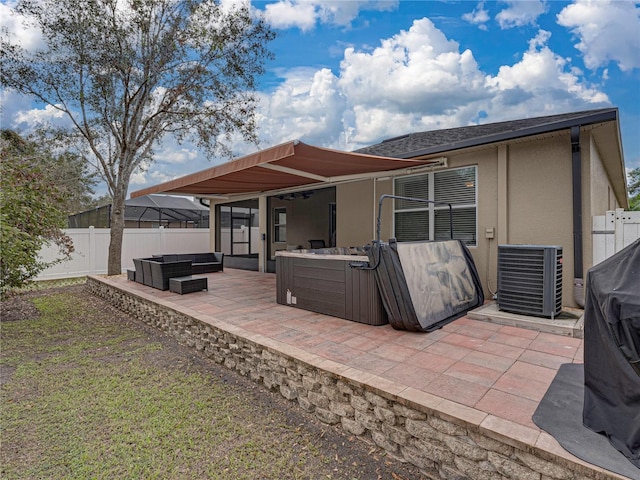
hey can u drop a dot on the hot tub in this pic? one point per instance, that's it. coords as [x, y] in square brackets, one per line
[324, 281]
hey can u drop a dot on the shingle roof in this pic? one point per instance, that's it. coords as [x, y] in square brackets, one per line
[438, 141]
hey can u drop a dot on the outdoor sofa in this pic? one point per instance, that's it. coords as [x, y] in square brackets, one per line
[200, 262]
[157, 270]
[154, 272]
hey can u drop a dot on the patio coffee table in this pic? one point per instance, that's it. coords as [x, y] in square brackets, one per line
[187, 284]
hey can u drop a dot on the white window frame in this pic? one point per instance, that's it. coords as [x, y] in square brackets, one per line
[431, 208]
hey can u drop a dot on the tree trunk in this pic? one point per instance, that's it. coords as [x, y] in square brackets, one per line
[117, 230]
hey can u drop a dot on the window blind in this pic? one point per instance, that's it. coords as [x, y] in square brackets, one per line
[412, 226]
[456, 186]
[416, 187]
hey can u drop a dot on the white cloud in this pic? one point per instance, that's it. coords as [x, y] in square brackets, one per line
[155, 176]
[17, 112]
[342, 13]
[308, 104]
[138, 178]
[287, 14]
[520, 13]
[305, 14]
[416, 70]
[540, 40]
[173, 153]
[21, 31]
[479, 16]
[607, 30]
[541, 83]
[408, 83]
[37, 117]
[11, 104]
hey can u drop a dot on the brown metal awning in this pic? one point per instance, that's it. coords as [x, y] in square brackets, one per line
[288, 165]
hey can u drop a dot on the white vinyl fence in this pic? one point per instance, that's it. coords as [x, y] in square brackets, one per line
[613, 232]
[92, 248]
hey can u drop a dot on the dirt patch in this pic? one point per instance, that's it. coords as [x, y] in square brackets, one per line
[18, 307]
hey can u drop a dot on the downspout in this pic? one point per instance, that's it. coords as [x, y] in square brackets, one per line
[576, 161]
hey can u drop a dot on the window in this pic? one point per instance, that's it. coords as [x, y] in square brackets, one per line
[425, 221]
[280, 224]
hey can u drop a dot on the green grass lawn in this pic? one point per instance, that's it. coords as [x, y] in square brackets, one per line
[89, 394]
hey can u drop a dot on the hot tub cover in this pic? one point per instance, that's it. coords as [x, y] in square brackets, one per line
[425, 285]
[612, 351]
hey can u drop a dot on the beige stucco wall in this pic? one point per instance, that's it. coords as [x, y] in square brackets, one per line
[357, 209]
[540, 193]
[601, 195]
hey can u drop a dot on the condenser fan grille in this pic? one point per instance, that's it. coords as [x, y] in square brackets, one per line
[530, 279]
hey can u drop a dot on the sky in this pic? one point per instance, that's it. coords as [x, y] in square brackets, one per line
[348, 74]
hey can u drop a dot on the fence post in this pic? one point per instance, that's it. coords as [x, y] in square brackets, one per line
[619, 229]
[162, 239]
[92, 250]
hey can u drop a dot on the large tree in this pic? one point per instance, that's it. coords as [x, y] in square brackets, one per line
[126, 73]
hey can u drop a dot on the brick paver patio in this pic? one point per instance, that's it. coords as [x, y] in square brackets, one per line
[493, 374]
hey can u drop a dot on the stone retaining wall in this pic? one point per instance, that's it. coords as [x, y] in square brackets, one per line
[442, 447]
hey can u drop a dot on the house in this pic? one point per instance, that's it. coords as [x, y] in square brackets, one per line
[529, 181]
[148, 211]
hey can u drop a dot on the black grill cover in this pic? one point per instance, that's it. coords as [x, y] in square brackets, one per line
[425, 285]
[612, 351]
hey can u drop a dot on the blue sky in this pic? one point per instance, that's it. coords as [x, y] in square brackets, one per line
[348, 73]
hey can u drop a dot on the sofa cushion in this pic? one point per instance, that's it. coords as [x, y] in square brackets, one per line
[204, 258]
[147, 277]
[139, 275]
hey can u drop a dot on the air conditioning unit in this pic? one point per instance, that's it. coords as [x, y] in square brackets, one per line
[530, 279]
